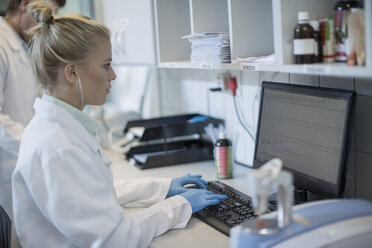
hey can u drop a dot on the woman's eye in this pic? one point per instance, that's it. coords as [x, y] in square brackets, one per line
[106, 66]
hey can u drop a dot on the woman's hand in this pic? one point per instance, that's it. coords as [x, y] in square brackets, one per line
[177, 184]
[201, 198]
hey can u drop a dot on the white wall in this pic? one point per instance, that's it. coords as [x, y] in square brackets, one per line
[185, 91]
[83, 7]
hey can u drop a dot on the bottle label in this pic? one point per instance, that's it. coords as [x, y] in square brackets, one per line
[223, 159]
[303, 46]
[341, 55]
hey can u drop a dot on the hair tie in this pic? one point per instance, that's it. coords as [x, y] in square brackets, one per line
[47, 22]
[50, 19]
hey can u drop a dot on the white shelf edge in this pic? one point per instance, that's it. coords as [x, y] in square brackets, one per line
[189, 65]
[257, 67]
[334, 69]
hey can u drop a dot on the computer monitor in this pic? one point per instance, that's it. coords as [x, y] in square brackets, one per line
[309, 128]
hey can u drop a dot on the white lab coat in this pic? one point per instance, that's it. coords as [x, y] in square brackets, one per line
[63, 192]
[17, 94]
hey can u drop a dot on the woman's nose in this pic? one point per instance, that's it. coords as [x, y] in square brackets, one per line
[113, 75]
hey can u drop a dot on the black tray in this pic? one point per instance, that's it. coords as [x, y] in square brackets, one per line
[180, 152]
[172, 126]
[167, 151]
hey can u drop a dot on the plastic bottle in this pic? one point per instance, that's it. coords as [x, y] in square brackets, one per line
[303, 42]
[223, 157]
[327, 33]
[342, 9]
[318, 53]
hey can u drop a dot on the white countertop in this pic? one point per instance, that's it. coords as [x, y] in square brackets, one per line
[196, 234]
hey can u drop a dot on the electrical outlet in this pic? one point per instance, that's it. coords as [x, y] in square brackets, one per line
[223, 81]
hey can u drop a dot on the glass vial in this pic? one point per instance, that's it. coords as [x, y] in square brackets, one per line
[303, 42]
[318, 53]
[223, 157]
[342, 9]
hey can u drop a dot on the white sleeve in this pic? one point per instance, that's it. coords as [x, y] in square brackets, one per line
[141, 227]
[10, 130]
[71, 194]
[10, 134]
[141, 192]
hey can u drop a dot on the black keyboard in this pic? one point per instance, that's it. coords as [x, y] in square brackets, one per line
[230, 212]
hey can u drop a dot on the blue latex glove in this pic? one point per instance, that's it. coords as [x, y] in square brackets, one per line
[177, 184]
[201, 198]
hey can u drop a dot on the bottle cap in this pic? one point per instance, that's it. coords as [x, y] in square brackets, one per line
[222, 135]
[303, 16]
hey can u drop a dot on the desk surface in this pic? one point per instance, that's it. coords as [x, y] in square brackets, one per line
[197, 233]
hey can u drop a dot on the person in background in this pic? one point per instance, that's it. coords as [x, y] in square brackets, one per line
[17, 90]
[62, 184]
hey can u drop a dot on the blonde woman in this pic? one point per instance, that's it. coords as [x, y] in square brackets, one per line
[62, 185]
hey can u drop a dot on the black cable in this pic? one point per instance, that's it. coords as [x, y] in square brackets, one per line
[242, 164]
[215, 89]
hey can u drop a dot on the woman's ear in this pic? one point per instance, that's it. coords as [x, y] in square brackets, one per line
[23, 6]
[71, 73]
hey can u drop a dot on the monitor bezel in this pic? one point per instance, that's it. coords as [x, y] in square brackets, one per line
[311, 183]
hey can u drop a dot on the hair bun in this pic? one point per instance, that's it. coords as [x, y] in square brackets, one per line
[40, 11]
[50, 19]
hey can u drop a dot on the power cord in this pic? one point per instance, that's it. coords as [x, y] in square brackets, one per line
[233, 86]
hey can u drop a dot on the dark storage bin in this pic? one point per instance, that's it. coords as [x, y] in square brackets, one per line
[165, 152]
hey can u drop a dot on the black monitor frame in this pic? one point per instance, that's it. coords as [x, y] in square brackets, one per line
[310, 183]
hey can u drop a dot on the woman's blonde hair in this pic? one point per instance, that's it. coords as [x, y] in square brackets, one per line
[58, 40]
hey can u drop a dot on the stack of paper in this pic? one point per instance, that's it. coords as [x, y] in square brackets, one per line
[266, 60]
[209, 47]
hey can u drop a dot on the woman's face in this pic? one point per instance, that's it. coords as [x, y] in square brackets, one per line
[97, 74]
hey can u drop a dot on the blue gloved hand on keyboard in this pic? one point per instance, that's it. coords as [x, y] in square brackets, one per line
[201, 198]
[177, 184]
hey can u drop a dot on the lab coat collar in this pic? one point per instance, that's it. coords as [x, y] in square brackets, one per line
[88, 122]
[15, 42]
[72, 124]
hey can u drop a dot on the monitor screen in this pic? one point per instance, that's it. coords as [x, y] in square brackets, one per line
[309, 129]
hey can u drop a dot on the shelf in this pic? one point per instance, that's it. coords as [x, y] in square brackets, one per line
[285, 19]
[256, 28]
[251, 28]
[217, 20]
[241, 18]
[257, 67]
[172, 21]
[234, 66]
[334, 69]
[188, 65]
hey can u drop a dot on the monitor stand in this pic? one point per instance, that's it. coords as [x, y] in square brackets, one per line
[299, 196]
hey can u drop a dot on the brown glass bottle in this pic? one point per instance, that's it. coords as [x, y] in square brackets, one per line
[303, 42]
